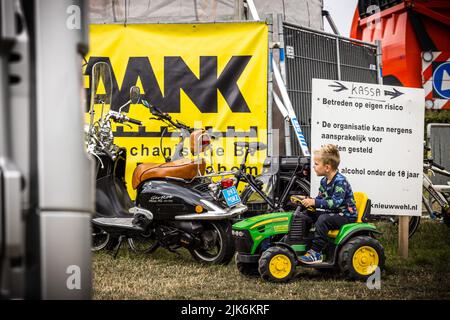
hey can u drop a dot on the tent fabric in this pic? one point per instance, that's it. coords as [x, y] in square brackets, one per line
[306, 13]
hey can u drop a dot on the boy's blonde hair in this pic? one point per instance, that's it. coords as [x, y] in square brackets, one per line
[329, 154]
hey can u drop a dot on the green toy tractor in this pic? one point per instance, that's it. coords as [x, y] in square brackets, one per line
[262, 247]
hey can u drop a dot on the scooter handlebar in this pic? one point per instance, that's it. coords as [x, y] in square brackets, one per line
[134, 121]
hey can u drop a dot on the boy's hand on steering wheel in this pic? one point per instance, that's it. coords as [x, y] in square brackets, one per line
[297, 199]
[308, 202]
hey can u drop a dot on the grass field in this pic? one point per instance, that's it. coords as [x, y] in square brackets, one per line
[164, 275]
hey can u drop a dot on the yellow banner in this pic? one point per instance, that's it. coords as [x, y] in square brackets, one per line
[211, 76]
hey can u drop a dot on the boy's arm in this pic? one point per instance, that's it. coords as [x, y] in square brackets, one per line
[321, 191]
[336, 199]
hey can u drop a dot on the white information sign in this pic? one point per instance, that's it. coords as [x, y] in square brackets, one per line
[380, 132]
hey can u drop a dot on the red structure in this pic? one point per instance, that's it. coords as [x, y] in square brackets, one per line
[415, 37]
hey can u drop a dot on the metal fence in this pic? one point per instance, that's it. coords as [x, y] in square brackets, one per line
[315, 54]
[437, 135]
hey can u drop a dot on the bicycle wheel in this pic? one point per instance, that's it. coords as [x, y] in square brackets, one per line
[257, 205]
[414, 223]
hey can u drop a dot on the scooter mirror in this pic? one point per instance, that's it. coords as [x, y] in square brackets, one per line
[135, 94]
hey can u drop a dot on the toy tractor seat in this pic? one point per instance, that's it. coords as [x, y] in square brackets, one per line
[363, 205]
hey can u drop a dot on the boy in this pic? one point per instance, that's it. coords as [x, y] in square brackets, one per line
[335, 197]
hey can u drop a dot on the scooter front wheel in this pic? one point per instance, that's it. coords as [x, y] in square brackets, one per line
[217, 245]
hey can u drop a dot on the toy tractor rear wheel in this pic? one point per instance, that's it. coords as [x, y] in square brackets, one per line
[360, 257]
[277, 264]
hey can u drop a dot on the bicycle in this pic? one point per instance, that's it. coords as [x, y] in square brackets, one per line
[432, 196]
[271, 191]
[437, 194]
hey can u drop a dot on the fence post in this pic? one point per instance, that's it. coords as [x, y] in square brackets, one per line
[403, 236]
[379, 62]
[338, 58]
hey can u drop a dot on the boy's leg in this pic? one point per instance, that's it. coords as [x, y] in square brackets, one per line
[325, 223]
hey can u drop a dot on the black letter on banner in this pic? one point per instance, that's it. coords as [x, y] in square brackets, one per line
[227, 83]
[202, 91]
[139, 67]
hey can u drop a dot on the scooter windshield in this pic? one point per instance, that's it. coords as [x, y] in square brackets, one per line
[101, 93]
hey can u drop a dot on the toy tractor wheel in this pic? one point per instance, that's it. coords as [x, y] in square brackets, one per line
[360, 257]
[277, 264]
[248, 269]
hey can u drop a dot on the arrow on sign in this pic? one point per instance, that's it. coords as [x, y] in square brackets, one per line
[394, 94]
[340, 87]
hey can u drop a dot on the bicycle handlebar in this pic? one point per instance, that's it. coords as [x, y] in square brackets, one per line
[434, 164]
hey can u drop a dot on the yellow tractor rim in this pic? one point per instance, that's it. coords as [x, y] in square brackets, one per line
[365, 260]
[280, 266]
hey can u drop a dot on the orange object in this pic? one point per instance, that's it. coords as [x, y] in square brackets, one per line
[406, 30]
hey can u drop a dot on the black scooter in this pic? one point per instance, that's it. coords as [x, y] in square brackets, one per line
[172, 208]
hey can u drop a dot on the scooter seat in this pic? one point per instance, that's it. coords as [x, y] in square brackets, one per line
[182, 168]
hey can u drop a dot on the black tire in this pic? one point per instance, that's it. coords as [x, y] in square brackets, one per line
[414, 223]
[346, 257]
[143, 244]
[217, 243]
[248, 269]
[100, 239]
[446, 213]
[446, 217]
[257, 205]
[287, 265]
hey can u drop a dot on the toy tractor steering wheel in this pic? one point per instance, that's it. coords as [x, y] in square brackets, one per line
[297, 200]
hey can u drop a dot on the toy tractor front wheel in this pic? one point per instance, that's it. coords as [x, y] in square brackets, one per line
[277, 264]
[360, 257]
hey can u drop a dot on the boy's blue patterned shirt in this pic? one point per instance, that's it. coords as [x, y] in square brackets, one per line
[336, 196]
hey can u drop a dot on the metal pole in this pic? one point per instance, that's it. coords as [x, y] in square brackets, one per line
[269, 95]
[379, 62]
[284, 94]
[287, 126]
[238, 10]
[338, 58]
[253, 11]
[327, 15]
[281, 47]
[287, 131]
[290, 109]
